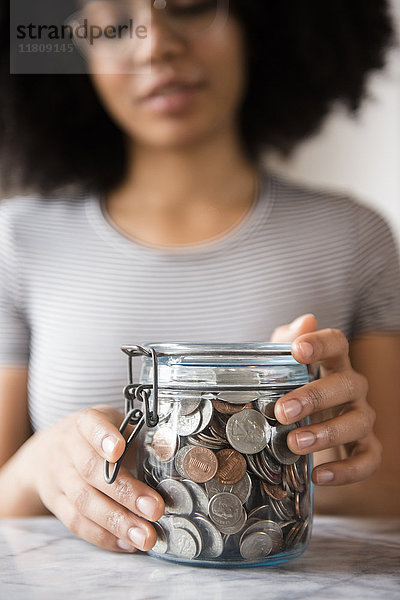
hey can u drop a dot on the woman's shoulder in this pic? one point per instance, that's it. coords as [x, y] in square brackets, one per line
[329, 204]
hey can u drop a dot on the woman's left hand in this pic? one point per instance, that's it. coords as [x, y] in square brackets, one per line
[339, 386]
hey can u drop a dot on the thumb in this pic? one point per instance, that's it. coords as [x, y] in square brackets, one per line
[290, 331]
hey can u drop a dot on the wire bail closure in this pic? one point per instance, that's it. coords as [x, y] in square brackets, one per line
[135, 416]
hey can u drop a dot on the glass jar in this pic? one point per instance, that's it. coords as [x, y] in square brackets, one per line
[209, 443]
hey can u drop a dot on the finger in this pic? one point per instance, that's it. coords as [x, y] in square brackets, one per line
[328, 346]
[333, 390]
[83, 528]
[107, 513]
[135, 495]
[290, 331]
[352, 426]
[365, 462]
[96, 427]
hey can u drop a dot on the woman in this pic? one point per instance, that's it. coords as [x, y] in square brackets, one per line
[179, 233]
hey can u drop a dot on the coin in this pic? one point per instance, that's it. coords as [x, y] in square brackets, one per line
[188, 424]
[176, 522]
[179, 456]
[266, 526]
[256, 545]
[188, 405]
[164, 443]
[248, 431]
[199, 497]
[279, 446]
[200, 464]
[241, 489]
[206, 411]
[161, 544]
[226, 408]
[182, 544]
[274, 491]
[225, 509]
[176, 497]
[231, 466]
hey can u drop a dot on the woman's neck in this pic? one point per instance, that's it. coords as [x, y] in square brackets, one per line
[184, 195]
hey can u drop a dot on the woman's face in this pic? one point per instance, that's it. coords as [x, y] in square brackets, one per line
[214, 59]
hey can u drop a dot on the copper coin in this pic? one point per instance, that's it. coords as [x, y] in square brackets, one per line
[226, 408]
[164, 443]
[231, 466]
[200, 464]
[274, 491]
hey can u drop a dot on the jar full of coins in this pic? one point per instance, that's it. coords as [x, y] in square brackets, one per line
[209, 443]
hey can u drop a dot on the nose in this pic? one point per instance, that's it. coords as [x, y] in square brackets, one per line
[164, 41]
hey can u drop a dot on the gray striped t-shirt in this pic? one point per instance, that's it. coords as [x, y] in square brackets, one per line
[74, 288]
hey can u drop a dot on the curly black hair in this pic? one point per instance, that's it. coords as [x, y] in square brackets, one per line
[305, 56]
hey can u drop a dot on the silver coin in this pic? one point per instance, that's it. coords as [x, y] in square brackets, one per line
[248, 431]
[213, 544]
[238, 397]
[161, 545]
[188, 405]
[266, 526]
[182, 544]
[225, 509]
[241, 489]
[177, 498]
[179, 457]
[232, 529]
[279, 446]
[183, 523]
[206, 410]
[256, 545]
[199, 497]
[188, 424]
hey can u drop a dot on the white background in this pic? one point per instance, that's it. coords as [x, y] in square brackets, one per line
[359, 155]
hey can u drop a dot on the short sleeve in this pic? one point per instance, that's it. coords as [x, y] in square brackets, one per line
[375, 273]
[14, 330]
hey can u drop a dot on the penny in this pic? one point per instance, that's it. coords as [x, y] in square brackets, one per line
[176, 497]
[226, 408]
[248, 431]
[274, 491]
[231, 466]
[200, 464]
[256, 545]
[164, 443]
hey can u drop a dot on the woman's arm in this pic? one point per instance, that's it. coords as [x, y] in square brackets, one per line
[377, 356]
[17, 496]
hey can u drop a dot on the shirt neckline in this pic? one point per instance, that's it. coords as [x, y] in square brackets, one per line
[110, 231]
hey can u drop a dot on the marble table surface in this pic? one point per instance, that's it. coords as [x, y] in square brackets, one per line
[348, 558]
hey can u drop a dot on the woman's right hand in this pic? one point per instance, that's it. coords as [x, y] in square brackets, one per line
[69, 479]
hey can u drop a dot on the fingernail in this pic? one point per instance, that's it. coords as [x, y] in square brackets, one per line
[305, 439]
[138, 536]
[108, 444]
[324, 476]
[125, 546]
[291, 408]
[147, 506]
[306, 349]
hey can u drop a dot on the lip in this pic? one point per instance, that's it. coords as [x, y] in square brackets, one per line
[172, 103]
[157, 88]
